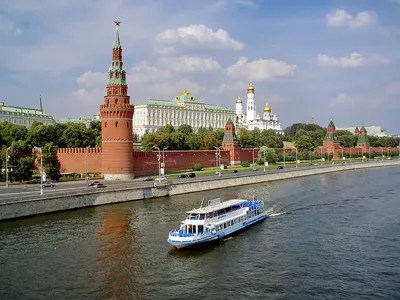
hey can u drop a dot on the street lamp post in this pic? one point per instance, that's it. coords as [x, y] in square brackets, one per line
[362, 154]
[350, 155]
[342, 154]
[41, 169]
[163, 159]
[7, 165]
[296, 158]
[284, 157]
[86, 166]
[320, 153]
[217, 159]
[159, 162]
[266, 151]
[253, 157]
[311, 150]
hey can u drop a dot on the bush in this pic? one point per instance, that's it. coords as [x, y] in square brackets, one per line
[245, 164]
[197, 167]
[225, 167]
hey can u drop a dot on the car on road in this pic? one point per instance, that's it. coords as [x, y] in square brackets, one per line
[191, 175]
[99, 185]
[47, 184]
[159, 179]
[92, 183]
[148, 179]
[219, 172]
[255, 169]
[182, 176]
[235, 171]
[280, 167]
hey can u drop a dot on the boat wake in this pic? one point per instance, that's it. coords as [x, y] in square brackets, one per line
[277, 214]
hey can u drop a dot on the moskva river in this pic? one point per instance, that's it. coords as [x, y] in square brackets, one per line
[333, 236]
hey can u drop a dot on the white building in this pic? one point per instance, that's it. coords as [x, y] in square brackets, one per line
[183, 109]
[24, 116]
[371, 130]
[251, 120]
[82, 120]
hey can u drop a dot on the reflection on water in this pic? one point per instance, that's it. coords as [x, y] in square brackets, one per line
[334, 235]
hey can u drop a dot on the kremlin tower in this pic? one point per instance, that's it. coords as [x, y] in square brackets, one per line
[251, 104]
[116, 124]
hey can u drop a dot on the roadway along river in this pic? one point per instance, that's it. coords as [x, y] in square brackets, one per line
[333, 236]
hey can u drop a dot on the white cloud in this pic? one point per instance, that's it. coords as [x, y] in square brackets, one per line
[195, 36]
[187, 64]
[260, 70]
[341, 18]
[355, 60]
[9, 27]
[91, 79]
[145, 72]
[341, 100]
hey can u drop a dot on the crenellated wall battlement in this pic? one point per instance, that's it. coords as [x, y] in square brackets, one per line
[78, 150]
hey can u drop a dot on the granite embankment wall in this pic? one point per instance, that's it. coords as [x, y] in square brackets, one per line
[69, 201]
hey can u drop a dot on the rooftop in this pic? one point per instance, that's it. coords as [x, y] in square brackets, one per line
[222, 205]
[24, 110]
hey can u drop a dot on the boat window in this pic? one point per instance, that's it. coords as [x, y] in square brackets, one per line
[202, 216]
[200, 229]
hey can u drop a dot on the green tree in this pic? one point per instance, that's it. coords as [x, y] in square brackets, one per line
[193, 141]
[24, 169]
[51, 164]
[185, 129]
[304, 142]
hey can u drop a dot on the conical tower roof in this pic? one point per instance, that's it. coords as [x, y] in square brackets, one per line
[117, 42]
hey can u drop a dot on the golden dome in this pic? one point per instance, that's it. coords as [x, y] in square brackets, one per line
[267, 108]
[250, 89]
[239, 100]
[185, 93]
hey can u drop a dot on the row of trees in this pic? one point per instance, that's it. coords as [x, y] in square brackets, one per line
[306, 136]
[21, 141]
[184, 138]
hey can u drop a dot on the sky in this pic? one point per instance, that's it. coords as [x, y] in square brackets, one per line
[331, 59]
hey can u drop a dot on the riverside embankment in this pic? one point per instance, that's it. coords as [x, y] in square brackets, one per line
[79, 199]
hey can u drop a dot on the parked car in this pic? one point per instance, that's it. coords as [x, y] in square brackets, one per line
[219, 172]
[235, 171]
[280, 167]
[182, 176]
[99, 185]
[255, 169]
[159, 179]
[93, 183]
[191, 175]
[47, 184]
[148, 179]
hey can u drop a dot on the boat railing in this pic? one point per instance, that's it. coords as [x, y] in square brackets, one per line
[181, 233]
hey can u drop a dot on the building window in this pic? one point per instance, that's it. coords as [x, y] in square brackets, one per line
[116, 101]
[127, 124]
[116, 123]
[105, 124]
[108, 101]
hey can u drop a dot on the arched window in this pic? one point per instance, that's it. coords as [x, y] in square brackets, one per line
[116, 101]
[105, 124]
[127, 124]
[116, 123]
[108, 101]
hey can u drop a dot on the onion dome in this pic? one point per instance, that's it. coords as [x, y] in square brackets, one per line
[239, 101]
[250, 89]
[267, 108]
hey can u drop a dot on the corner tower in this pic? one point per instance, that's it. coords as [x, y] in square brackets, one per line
[116, 120]
[230, 143]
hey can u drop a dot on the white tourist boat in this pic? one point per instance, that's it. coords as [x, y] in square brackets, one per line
[216, 221]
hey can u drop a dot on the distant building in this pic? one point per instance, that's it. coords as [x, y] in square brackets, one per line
[372, 130]
[25, 116]
[183, 109]
[82, 120]
[251, 120]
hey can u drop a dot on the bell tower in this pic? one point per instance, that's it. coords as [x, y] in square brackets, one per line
[116, 120]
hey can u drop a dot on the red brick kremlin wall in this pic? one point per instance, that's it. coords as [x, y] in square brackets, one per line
[72, 160]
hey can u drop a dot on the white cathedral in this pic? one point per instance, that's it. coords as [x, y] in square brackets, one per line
[250, 120]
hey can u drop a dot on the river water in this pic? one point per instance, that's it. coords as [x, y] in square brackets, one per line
[331, 236]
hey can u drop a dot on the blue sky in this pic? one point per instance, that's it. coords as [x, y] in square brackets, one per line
[332, 59]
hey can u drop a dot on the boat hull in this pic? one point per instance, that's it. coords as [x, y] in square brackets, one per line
[215, 237]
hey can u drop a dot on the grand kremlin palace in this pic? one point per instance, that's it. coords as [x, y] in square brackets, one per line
[24, 116]
[183, 109]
